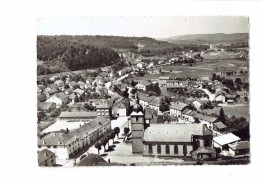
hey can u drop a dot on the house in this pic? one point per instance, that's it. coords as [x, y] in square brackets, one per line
[81, 85]
[68, 91]
[46, 106]
[223, 140]
[53, 91]
[105, 123]
[200, 103]
[230, 98]
[175, 140]
[142, 85]
[68, 144]
[162, 83]
[239, 148]
[176, 108]
[59, 99]
[121, 109]
[46, 158]
[141, 65]
[72, 84]
[78, 91]
[60, 83]
[220, 98]
[188, 115]
[204, 79]
[204, 119]
[219, 126]
[81, 115]
[156, 103]
[104, 110]
[144, 100]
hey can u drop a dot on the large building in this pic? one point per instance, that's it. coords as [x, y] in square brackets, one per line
[173, 140]
[68, 143]
[178, 140]
[104, 110]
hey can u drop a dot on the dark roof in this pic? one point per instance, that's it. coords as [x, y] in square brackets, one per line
[205, 117]
[92, 160]
[239, 145]
[189, 112]
[43, 106]
[44, 155]
[220, 125]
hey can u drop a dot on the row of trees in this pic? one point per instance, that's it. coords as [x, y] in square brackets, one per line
[105, 140]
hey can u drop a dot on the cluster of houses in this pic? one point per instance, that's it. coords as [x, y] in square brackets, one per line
[195, 138]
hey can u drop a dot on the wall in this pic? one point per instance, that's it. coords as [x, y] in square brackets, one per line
[163, 150]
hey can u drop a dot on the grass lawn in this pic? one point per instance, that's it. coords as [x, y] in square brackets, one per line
[237, 111]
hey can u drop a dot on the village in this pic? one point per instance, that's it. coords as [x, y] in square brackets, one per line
[157, 110]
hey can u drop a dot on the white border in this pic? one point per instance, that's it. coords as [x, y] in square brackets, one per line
[18, 40]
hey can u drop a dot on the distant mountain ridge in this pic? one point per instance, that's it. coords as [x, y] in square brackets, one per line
[208, 38]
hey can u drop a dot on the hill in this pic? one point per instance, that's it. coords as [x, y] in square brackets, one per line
[208, 38]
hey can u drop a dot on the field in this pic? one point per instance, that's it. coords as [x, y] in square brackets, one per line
[202, 69]
[239, 110]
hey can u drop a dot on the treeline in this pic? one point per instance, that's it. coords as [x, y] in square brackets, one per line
[164, 48]
[87, 57]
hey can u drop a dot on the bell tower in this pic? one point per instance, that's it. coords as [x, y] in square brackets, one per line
[137, 127]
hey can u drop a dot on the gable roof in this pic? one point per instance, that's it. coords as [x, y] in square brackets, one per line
[92, 160]
[178, 105]
[220, 125]
[61, 95]
[156, 102]
[239, 145]
[172, 132]
[57, 139]
[43, 106]
[189, 112]
[44, 155]
[205, 117]
[158, 120]
[226, 139]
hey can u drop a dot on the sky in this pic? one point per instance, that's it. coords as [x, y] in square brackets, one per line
[156, 27]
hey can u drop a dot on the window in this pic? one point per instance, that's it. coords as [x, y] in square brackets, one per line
[176, 150]
[184, 149]
[159, 149]
[150, 148]
[167, 149]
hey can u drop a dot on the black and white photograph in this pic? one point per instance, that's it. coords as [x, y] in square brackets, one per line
[143, 91]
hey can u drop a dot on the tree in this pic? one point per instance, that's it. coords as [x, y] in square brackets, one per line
[97, 145]
[238, 81]
[104, 141]
[112, 135]
[126, 130]
[117, 131]
[214, 76]
[41, 115]
[66, 86]
[221, 115]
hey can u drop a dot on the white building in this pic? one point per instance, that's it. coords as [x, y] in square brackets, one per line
[223, 140]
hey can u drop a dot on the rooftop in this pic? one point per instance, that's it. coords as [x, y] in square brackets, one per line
[220, 125]
[78, 114]
[44, 105]
[178, 105]
[43, 155]
[173, 132]
[205, 117]
[226, 139]
[239, 145]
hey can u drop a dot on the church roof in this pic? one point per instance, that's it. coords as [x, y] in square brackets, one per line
[173, 132]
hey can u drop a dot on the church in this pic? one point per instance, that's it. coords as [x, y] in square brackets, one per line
[166, 140]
